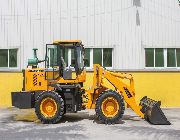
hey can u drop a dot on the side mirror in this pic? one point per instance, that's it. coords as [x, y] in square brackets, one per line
[47, 60]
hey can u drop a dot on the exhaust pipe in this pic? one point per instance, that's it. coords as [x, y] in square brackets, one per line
[152, 112]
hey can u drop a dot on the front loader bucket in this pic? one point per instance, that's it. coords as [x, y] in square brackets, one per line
[152, 112]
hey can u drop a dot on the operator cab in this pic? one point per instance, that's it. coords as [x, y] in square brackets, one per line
[56, 60]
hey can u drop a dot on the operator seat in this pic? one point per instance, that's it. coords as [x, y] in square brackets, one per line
[67, 73]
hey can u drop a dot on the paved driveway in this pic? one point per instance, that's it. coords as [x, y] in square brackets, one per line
[18, 124]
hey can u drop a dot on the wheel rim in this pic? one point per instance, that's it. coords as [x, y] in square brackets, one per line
[110, 107]
[48, 107]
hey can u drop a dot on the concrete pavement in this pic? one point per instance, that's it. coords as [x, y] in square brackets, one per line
[23, 125]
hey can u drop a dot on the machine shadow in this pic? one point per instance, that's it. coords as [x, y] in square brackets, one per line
[132, 118]
[75, 117]
[30, 116]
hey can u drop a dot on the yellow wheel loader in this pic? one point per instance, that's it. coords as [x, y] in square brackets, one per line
[53, 91]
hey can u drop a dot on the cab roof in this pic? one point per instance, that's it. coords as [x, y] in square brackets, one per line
[66, 41]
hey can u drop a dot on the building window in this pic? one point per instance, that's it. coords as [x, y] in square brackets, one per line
[8, 58]
[171, 58]
[97, 56]
[158, 57]
[178, 57]
[87, 57]
[149, 53]
[107, 57]
[101, 56]
[154, 57]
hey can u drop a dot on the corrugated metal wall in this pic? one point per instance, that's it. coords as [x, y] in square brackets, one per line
[125, 25]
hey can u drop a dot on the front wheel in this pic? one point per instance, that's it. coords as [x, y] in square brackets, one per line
[109, 107]
[49, 107]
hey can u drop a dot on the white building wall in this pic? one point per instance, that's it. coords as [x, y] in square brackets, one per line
[27, 24]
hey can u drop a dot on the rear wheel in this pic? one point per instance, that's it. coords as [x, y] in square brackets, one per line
[109, 107]
[49, 107]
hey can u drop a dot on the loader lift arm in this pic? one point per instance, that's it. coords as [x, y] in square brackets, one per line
[148, 108]
[125, 90]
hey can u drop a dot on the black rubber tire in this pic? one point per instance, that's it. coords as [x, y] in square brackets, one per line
[60, 107]
[101, 117]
